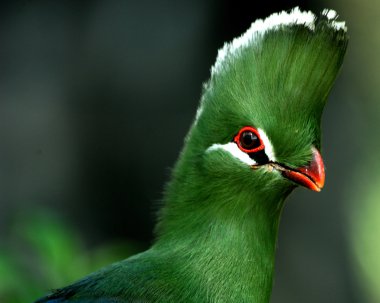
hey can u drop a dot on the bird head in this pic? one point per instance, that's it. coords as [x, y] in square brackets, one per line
[258, 124]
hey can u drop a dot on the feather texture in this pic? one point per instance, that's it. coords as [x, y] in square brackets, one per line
[216, 232]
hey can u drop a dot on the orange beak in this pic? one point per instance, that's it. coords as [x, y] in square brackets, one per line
[311, 176]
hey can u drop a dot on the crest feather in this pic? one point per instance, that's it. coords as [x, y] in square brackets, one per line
[260, 27]
[275, 77]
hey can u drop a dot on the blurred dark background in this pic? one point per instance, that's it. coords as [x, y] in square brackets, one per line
[95, 100]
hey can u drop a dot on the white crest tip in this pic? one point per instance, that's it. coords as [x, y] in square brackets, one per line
[329, 13]
[332, 15]
[261, 26]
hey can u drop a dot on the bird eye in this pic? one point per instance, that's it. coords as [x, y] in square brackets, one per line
[248, 140]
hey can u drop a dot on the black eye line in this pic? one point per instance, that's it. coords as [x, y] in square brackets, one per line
[260, 157]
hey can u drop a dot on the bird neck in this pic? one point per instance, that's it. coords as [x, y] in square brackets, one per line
[226, 238]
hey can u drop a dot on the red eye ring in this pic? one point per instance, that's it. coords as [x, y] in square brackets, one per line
[238, 139]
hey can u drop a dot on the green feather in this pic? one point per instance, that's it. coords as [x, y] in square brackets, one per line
[217, 229]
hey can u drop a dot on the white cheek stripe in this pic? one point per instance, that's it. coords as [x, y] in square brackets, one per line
[235, 151]
[268, 146]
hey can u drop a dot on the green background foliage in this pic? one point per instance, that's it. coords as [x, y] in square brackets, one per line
[43, 253]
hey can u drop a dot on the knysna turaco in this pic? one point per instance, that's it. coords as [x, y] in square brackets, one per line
[256, 136]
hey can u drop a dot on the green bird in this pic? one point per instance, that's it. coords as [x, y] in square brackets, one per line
[256, 137]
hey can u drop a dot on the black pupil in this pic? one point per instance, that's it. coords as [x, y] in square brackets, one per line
[248, 140]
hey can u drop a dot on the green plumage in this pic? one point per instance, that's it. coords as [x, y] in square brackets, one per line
[217, 229]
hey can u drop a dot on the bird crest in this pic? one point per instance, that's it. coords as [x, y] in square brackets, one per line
[276, 75]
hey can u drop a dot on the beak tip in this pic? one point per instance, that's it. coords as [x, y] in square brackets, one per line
[315, 170]
[311, 176]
